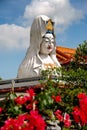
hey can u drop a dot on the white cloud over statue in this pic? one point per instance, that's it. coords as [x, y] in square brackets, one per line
[61, 11]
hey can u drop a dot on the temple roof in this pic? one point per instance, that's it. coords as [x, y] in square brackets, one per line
[64, 54]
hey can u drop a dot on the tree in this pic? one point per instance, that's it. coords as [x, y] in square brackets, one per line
[81, 54]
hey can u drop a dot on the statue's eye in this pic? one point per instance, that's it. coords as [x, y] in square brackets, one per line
[46, 40]
[52, 40]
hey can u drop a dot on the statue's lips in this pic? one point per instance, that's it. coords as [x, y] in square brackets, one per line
[49, 47]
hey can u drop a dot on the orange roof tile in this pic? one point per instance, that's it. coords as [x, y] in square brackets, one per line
[64, 54]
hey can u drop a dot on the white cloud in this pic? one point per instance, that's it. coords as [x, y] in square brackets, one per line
[13, 37]
[61, 11]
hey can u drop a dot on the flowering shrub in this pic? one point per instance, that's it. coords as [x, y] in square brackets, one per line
[28, 114]
[80, 112]
[20, 113]
[25, 122]
[54, 104]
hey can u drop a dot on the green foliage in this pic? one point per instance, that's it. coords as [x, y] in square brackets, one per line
[10, 109]
[75, 77]
[84, 128]
[45, 96]
[81, 55]
[82, 49]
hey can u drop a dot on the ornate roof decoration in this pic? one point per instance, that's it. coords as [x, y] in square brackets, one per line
[50, 26]
[64, 54]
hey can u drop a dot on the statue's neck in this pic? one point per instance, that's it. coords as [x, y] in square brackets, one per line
[46, 58]
[44, 55]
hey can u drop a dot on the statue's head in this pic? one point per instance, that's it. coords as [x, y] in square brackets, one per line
[42, 32]
[48, 44]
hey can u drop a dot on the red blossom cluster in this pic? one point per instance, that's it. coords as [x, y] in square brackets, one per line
[59, 115]
[31, 121]
[57, 98]
[80, 112]
[63, 118]
[23, 99]
[28, 99]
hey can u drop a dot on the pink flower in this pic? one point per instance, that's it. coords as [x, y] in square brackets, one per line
[67, 121]
[58, 115]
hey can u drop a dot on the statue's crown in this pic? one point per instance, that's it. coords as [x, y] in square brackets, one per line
[49, 25]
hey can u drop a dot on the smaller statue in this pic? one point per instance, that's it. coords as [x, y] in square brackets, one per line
[41, 54]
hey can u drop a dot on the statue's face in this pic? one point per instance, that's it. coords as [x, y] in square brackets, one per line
[47, 44]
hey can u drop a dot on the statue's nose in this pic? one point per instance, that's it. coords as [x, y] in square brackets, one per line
[49, 46]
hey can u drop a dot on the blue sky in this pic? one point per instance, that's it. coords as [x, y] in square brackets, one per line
[16, 17]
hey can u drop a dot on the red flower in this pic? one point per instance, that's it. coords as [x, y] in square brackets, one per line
[21, 120]
[21, 100]
[58, 114]
[29, 106]
[80, 116]
[83, 108]
[57, 98]
[30, 121]
[76, 114]
[31, 92]
[80, 113]
[82, 95]
[67, 121]
[9, 124]
[83, 118]
[36, 121]
[1, 109]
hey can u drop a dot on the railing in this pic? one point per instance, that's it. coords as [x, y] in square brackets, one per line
[18, 84]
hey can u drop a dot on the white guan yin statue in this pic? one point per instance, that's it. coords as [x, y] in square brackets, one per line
[41, 53]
